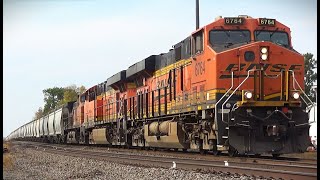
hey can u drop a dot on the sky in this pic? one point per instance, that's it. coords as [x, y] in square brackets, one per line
[50, 43]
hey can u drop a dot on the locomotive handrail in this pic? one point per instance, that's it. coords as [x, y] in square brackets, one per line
[234, 92]
[270, 76]
[308, 106]
[120, 106]
[119, 118]
[294, 87]
[295, 81]
[267, 117]
[215, 107]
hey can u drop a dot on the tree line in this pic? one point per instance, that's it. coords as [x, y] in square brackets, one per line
[310, 75]
[56, 96]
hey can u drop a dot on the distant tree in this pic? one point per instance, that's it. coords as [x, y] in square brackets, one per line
[38, 114]
[57, 96]
[52, 96]
[81, 89]
[70, 93]
[310, 74]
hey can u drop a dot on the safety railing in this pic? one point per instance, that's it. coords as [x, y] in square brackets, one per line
[222, 109]
[309, 104]
[216, 105]
[295, 83]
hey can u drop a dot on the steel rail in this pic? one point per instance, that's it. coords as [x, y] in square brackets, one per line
[191, 155]
[284, 171]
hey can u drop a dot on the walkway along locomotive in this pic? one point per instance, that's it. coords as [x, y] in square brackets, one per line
[233, 85]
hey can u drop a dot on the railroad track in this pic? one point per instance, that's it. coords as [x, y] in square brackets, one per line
[250, 166]
[190, 154]
[196, 155]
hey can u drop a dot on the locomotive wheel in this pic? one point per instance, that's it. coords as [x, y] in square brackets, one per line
[232, 151]
[203, 152]
[216, 152]
[275, 155]
[184, 150]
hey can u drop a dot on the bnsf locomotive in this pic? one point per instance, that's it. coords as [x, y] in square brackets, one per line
[234, 85]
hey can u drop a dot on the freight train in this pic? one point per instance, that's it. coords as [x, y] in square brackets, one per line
[235, 85]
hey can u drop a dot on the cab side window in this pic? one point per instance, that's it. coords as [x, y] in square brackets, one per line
[197, 42]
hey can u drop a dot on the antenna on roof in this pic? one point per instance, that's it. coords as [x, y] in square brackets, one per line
[197, 14]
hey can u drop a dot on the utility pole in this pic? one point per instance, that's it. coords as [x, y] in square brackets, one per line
[315, 91]
[197, 14]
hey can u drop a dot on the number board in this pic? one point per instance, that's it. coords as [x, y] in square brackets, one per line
[267, 22]
[233, 20]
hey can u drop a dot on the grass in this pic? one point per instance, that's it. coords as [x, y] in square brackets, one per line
[7, 161]
[7, 157]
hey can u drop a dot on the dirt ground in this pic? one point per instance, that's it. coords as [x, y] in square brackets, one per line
[306, 155]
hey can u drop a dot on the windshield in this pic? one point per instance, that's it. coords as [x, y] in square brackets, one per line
[229, 37]
[280, 38]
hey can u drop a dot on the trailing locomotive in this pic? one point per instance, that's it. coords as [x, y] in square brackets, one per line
[234, 85]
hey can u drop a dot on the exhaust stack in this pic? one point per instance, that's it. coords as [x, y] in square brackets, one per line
[197, 14]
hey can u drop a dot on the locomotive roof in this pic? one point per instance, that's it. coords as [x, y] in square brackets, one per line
[156, 62]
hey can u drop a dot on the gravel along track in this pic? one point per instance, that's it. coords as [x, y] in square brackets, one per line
[32, 163]
[295, 166]
[297, 159]
[285, 171]
[266, 168]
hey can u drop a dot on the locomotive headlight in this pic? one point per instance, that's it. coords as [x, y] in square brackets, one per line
[228, 105]
[264, 57]
[264, 53]
[295, 95]
[248, 95]
[264, 50]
